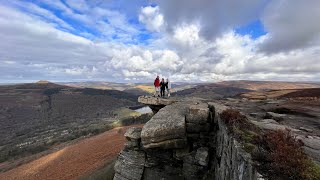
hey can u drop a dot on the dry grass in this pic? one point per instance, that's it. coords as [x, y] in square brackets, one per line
[232, 116]
[147, 88]
[284, 158]
[266, 95]
[277, 154]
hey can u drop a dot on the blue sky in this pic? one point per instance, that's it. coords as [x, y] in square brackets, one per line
[133, 41]
[255, 29]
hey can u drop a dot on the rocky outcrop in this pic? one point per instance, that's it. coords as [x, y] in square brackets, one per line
[311, 143]
[184, 140]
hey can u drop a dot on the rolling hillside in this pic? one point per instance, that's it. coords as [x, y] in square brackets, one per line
[36, 116]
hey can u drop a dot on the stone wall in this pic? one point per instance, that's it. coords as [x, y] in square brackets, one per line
[184, 140]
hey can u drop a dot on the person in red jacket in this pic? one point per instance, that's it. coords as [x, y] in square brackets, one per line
[157, 86]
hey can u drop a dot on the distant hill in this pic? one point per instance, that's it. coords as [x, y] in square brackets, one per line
[268, 85]
[98, 85]
[275, 90]
[132, 88]
[304, 93]
[249, 89]
[135, 89]
[212, 91]
[43, 82]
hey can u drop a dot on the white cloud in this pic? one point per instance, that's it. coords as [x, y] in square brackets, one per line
[152, 18]
[186, 35]
[47, 15]
[80, 5]
[109, 23]
[35, 48]
[9, 62]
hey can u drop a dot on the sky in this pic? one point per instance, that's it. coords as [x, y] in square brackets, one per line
[133, 41]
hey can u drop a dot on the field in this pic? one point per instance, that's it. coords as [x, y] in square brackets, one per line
[74, 161]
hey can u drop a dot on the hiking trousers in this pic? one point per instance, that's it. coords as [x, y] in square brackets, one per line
[162, 92]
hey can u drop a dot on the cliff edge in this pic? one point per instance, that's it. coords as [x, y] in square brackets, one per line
[183, 140]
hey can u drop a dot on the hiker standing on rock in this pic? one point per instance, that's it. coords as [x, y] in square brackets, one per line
[162, 87]
[168, 86]
[157, 86]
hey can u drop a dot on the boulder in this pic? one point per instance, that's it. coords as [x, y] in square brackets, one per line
[275, 116]
[256, 115]
[311, 146]
[269, 121]
[310, 141]
[133, 133]
[198, 113]
[306, 129]
[167, 128]
[270, 126]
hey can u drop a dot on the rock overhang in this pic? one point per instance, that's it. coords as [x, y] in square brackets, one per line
[156, 103]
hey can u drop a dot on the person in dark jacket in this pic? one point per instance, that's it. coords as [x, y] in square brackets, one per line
[162, 87]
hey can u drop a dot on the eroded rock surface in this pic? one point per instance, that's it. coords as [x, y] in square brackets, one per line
[184, 140]
[167, 128]
[129, 165]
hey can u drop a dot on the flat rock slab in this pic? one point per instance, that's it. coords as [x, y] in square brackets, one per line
[155, 101]
[167, 128]
[270, 124]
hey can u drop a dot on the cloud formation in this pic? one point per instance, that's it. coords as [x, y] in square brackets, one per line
[291, 25]
[151, 17]
[214, 16]
[194, 41]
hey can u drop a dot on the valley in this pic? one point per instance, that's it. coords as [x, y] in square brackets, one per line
[36, 116]
[45, 123]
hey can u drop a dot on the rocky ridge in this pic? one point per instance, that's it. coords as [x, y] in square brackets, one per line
[183, 140]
